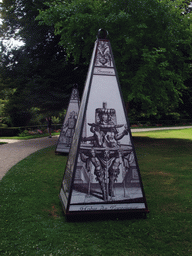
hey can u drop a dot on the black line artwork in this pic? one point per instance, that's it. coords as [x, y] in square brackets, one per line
[102, 172]
[68, 127]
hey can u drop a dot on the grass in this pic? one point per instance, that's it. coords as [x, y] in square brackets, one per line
[33, 136]
[32, 221]
[167, 134]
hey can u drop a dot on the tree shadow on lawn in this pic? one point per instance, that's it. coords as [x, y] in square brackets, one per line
[146, 140]
[171, 147]
[165, 167]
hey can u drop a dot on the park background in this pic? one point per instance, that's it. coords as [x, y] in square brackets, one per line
[151, 43]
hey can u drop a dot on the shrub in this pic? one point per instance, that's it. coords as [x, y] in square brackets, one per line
[24, 133]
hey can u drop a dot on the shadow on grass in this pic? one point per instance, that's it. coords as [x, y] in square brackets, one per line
[105, 217]
[144, 140]
[164, 147]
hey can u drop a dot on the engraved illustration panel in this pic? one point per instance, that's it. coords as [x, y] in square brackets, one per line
[105, 158]
[68, 127]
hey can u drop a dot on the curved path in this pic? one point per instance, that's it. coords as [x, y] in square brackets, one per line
[16, 150]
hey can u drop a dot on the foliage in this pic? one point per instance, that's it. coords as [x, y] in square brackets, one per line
[150, 39]
[38, 71]
[151, 42]
[32, 222]
[186, 108]
[4, 98]
[26, 133]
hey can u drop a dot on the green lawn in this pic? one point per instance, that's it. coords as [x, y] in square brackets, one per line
[167, 134]
[32, 221]
[28, 137]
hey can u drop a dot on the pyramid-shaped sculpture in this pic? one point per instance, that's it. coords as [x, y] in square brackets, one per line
[102, 173]
[68, 128]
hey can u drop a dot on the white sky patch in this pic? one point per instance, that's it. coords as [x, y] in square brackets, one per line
[11, 43]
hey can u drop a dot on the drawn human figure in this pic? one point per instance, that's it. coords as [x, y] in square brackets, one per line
[105, 115]
[93, 160]
[97, 138]
[113, 174]
[99, 172]
[106, 136]
[69, 127]
[112, 137]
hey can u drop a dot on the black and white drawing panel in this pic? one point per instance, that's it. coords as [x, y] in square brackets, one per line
[68, 127]
[106, 174]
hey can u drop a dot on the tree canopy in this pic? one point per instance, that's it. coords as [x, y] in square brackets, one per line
[151, 41]
[39, 71]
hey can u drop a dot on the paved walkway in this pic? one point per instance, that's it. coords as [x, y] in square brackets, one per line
[16, 150]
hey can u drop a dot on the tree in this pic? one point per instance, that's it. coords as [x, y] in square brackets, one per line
[151, 41]
[39, 71]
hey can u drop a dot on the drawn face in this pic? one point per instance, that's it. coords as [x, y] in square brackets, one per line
[104, 117]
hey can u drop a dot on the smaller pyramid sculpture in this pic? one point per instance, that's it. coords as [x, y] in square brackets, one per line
[68, 127]
[102, 173]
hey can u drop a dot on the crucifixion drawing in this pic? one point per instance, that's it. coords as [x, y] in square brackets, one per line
[102, 173]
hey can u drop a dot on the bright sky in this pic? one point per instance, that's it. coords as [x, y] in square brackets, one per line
[12, 42]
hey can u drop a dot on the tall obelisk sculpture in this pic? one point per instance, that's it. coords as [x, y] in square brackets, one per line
[102, 173]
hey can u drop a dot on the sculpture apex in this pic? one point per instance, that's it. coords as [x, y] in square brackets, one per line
[102, 34]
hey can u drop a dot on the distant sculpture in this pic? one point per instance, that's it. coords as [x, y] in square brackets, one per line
[69, 127]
